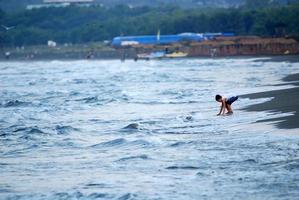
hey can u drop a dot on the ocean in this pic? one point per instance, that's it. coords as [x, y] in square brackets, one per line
[105, 129]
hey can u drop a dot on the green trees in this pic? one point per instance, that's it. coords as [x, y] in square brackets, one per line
[79, 25]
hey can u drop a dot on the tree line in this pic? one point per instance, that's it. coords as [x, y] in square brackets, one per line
[81, 24]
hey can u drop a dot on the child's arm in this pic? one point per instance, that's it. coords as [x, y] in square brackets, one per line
[222, 108]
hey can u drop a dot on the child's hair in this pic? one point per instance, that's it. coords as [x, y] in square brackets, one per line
[218, 97]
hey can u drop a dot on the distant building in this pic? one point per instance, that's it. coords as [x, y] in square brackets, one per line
[125, 41]
[61, 3]
[69, 1]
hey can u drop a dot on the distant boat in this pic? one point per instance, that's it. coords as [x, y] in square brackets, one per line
[176, 55]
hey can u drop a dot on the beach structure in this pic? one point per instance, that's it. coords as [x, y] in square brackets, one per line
[61, 3]
[205, 44]
[162, 46]
[244, 45]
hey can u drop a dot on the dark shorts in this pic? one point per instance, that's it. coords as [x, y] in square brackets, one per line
[231, 100]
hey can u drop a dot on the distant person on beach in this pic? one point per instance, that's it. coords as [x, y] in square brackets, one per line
[226, 103]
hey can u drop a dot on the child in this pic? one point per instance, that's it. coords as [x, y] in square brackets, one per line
[226, 103]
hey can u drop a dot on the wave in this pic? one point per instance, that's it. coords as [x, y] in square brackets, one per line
[97, 195]
[3, 134]
[93, 99]
[292, 164]
[15, 103]
[65, 129]
[177, 144]
[141, 157]
[165, 102]
[6, 189]
[72, 195]
[133, 126]
[247, 161]
[182, 132]
[96, 99]
[98, 185]
[74, 93]
[126, 196]
[29, 130]
[122, 142]
[19, 152]
[202, 174]
[79, 81]
[182, 167]
[140, 143]
[65, 195]
[112, 143]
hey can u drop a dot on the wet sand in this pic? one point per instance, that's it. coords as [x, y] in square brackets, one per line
[285, 101]
[280, 58]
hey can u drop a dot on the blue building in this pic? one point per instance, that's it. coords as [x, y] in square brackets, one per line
[164, 39]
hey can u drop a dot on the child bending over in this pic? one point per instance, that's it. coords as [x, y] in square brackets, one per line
[226, 103]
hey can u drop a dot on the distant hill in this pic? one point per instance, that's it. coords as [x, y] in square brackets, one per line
[194, 3]
[16, 5]
[83, 25]
[181, 3]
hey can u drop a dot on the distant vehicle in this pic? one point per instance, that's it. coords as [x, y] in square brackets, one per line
[176, 55]
[52, 43]
[7, 55]
[160, 55]
[152, 55]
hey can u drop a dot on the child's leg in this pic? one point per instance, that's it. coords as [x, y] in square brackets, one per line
[229, 108]
[229, 102]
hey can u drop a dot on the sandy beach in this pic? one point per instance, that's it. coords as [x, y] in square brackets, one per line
[285, 101]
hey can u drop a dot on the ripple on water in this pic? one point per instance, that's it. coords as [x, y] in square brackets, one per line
[121, 142]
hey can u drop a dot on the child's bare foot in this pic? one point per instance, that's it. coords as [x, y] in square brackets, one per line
[229, 113]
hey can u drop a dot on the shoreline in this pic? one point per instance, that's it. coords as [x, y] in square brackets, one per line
[263, 58]
[284, 101]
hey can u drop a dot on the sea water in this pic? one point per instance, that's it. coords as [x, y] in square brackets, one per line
[143, 130]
